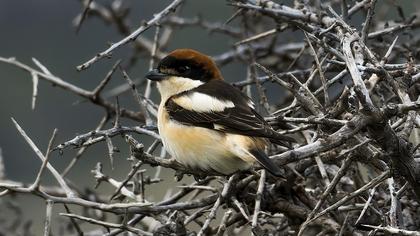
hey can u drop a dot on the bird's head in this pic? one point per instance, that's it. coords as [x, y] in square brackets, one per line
[182, 70]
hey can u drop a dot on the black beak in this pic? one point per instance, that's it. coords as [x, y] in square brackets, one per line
[155, 75]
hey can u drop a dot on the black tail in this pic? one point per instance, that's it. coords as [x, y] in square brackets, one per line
[281, 139]
[278, 138]
[267, 163]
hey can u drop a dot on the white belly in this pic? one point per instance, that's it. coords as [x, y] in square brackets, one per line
[202, 148]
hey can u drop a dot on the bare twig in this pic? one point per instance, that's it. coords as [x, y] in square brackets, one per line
[47, 226]
[97, 136]
[35, 80]
[258, 200]
[107, 78]
[392, 230]
[133, 36]
[321, 73]
[107, 224]
[371, 194]
[369, 17]
[374, 182]
[35, 185]
[130, 175]
[222, 227]
[148, 88]
[84, 15]
[142, 103]
[83, 149]
[359, 85]
[226, 188]
[337, 177]
[46, 75]
[57, 176]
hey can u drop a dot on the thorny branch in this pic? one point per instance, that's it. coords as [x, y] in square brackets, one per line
[350, 99]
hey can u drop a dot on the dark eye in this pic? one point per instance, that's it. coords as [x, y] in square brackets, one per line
[183, 69]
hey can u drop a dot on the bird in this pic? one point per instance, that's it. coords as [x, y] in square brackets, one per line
[205, 123]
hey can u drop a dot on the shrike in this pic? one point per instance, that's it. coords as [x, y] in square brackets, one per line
[205, 123]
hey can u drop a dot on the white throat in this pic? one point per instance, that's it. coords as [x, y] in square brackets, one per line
[175, 85]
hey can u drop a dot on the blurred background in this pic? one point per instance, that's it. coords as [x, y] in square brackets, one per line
[44, 30]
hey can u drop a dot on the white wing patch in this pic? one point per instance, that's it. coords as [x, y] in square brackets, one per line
[218, 127]
[251, 104]
[201, 102]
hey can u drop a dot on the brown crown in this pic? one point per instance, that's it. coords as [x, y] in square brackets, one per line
[205, 61]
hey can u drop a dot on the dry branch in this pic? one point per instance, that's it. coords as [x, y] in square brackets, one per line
[350, 97]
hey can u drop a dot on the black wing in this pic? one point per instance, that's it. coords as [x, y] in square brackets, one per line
[240, 119]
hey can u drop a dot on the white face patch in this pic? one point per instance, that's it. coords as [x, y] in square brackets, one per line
[175, 85]
[201, 102]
